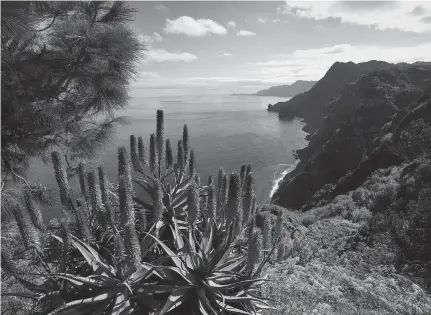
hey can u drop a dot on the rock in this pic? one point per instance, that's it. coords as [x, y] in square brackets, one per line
[351, 137]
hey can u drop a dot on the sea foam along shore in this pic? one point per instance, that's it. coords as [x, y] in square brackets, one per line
[277, 181]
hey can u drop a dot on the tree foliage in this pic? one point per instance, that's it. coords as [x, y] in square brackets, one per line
[65, 70]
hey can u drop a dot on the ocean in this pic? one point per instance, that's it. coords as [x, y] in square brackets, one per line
[225, 131]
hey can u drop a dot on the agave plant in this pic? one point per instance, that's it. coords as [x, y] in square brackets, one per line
[211, 276]
[158, 243]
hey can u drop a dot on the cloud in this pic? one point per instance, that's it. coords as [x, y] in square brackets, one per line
[276, 20]
[379, 14]
[161, 7]
[245, 33]
[194, 28]
[418, 11]
[262, 21]
[312, 64]
[161, 55]
[149, 39]
[426, 19]
[231, 24]
[225, 54]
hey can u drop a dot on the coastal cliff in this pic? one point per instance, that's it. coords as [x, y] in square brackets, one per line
[351, 127]
[291, 90]
[358, 203]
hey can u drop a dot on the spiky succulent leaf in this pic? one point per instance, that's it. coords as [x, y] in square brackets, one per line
[169, 154]
[61, 177]
[192, 163]
[160, 129]
[132, 249]
[197, 179]
[185, 141]
[82, 219]
[220, 190]
[278, 225]
[125, 188]
[243, 173]
[233, 206]
[210, 180]
[153, 154]
[211, 201]
[133, 149]
[108, 212]
[266, 232]
[158, 201]
[254, 249]
[249, 169]
[95, 198]
[28, 231]
[141, 150]
[180, 155]
[193, 202]
[247, 197]
[34, 211]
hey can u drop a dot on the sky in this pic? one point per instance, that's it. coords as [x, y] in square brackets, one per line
[205, 47]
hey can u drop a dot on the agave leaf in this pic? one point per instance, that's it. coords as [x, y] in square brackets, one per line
[233, 264]
[177, 261]
[201, 307]
[142, 272]
[177, 234]
[150, 288]
[146, 299]
[58, 238]
[179, 199]
[77, 280]
[93, 258]
[122, 304]
[229, 286]
[207, 239]
[186, 276]
[182, 205]
[231, 309]
[78, 303]
[95, 309]
[175, 299]
[204, 300]
[223, 250]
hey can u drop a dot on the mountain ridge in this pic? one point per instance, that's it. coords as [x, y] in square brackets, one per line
[286, 90]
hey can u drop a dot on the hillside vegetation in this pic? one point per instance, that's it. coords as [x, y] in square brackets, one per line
[360, 201]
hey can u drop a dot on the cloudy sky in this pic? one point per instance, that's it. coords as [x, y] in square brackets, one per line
[213, 47]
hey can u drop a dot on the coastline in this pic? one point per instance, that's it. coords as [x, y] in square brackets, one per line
[289, 169]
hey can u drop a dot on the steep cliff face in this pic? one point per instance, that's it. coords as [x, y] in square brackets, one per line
[354, 120]
[311, 105]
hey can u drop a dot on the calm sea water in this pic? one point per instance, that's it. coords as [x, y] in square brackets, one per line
[224, 131]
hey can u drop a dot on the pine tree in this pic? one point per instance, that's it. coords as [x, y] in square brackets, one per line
[57, 78]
